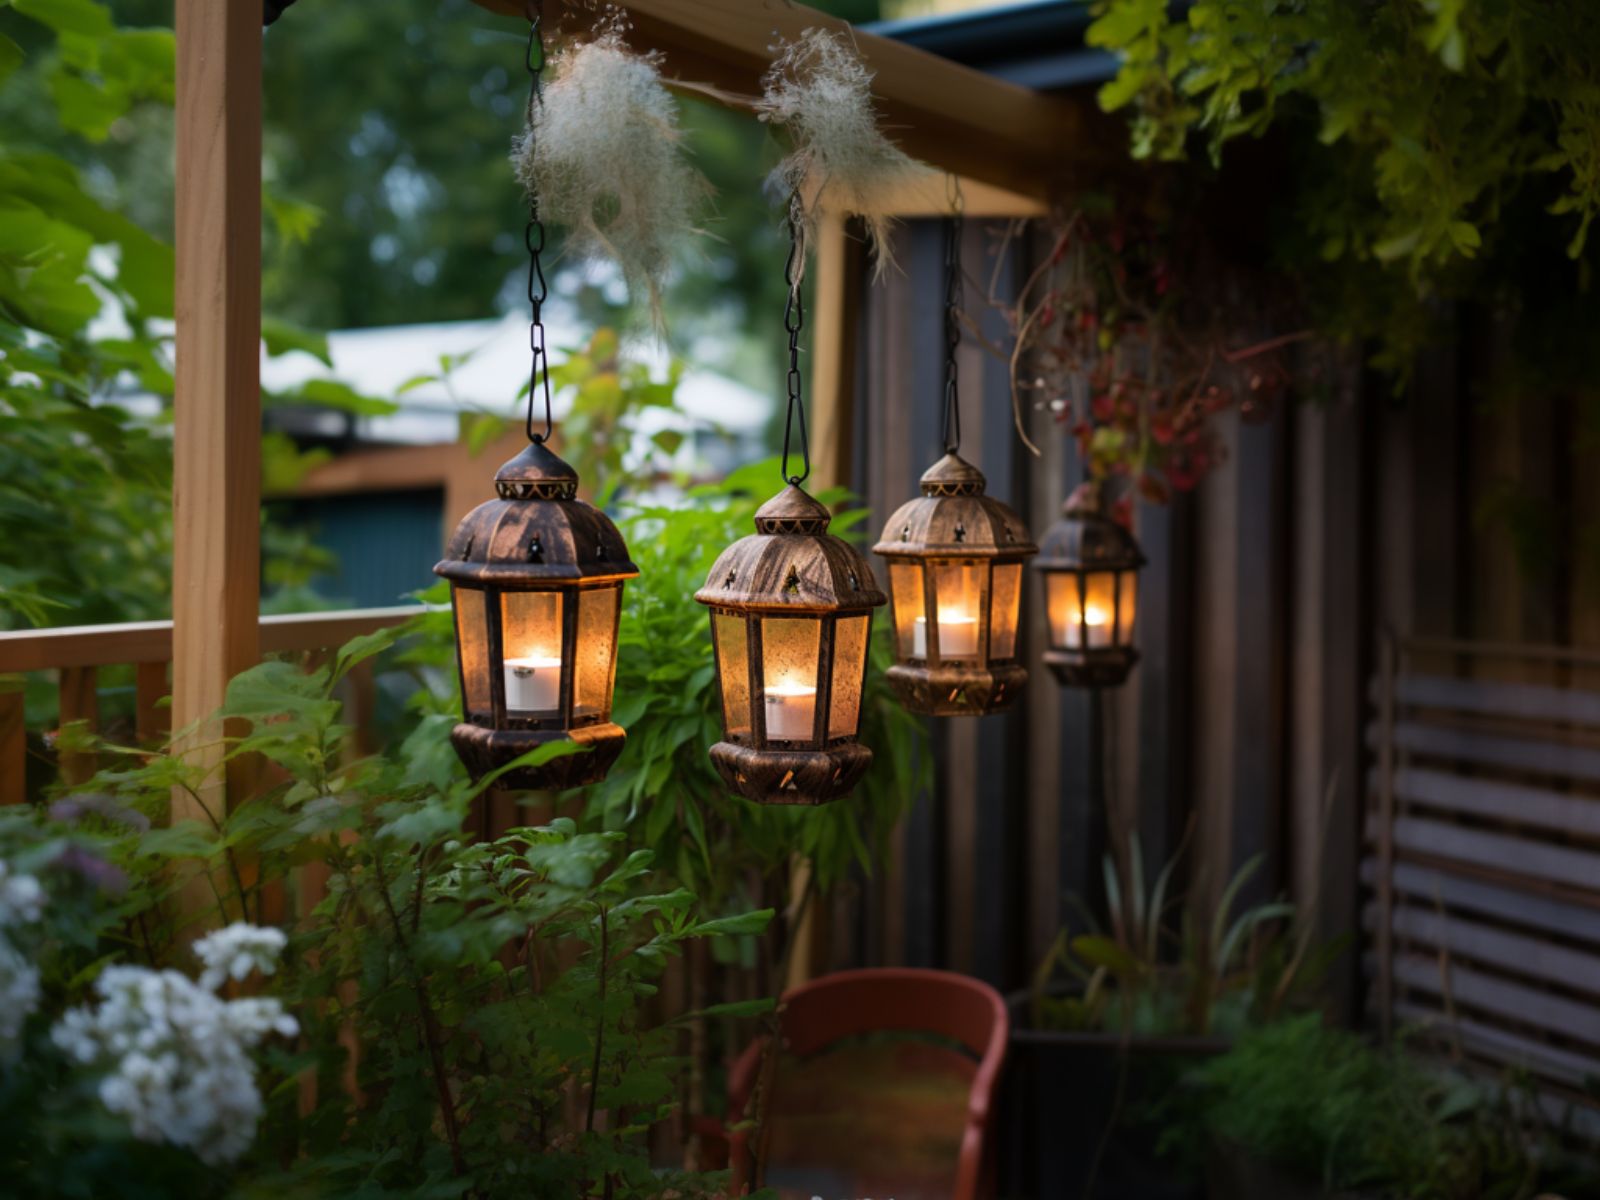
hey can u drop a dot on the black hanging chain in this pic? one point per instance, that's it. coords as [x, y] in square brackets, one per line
[533, 236]
[952, 330]
[794, 319]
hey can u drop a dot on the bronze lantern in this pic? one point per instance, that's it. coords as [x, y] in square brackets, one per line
[791, 614]
[536, 581]
[955, 576]
[1090, 566]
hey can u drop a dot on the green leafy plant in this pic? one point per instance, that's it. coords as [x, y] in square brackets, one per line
[473, 1014]
[1326, 1106]
[1210, 973]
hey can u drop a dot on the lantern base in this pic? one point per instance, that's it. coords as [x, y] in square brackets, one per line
[1105, 667]
[952, 691]
[483, 750]
[791, 776]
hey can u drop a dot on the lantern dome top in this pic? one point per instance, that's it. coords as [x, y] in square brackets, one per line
[1086, 538]
[953, 475]
[792, 564]
[538, 473]
[954, 516]
[536, 531]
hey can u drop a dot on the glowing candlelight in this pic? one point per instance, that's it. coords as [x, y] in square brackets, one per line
[958, 635]
[533, 684]
[791, 711]
[1093, 630]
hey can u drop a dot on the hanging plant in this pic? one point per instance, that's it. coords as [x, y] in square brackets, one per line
[820, 92]
[1134, 340]
[611, 166]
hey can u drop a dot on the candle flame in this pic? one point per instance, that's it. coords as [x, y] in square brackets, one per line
[1095, 616]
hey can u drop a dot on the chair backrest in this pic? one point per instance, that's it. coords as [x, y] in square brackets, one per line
[850, 1004]
[1484, 862]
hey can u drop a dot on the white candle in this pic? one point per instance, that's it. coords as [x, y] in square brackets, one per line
[1096, 624]
[958, 635]
[533, 684]
[791, 711]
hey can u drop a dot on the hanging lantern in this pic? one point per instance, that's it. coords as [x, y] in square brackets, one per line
[1090, 565]
[536, 583]
[791, 618]
[791, 613]
[955, 575]
[955, 566]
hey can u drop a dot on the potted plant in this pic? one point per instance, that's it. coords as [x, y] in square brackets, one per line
[1120, 1010]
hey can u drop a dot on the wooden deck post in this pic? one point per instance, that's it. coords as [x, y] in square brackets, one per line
[216, 488]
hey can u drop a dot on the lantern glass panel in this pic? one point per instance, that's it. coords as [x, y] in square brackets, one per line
[1005, 601]
[958, 587]
[531, 652]
[595, 655]
[733, 667]
[472, 643]
[1081, 607]
[790, 648]
[1128, 592]
[905, 582]
[849, 669]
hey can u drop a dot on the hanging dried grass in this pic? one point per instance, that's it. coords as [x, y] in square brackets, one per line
[820, 91]
[604, 156]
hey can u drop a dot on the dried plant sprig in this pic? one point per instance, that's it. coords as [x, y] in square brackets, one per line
[820, 92]
[605, 157]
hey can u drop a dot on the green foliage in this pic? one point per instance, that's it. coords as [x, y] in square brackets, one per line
[1428, 149]
[664, 789]
[1442, 108]
[1326, 1106]
[499, 990]
[1216, 974]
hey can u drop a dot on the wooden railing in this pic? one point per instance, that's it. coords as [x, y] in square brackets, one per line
[77, 654]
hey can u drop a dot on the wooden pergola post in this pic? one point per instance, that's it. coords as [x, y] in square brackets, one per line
[216, 483]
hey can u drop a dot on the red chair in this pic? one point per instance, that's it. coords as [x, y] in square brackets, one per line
[909, 1043]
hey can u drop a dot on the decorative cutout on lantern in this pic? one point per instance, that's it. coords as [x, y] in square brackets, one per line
[791, 610]
[1090, 566]
[536, 581]
[958, 554]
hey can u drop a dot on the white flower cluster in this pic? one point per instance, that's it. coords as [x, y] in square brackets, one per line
[176, 1055]
[234, 952]
[21, 898]
[21, 903]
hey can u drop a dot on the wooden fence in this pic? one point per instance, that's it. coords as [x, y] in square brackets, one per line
[76, 655]
[1484, 860]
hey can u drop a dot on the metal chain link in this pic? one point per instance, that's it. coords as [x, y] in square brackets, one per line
[794, 319]
[533, 237]
[952, 330]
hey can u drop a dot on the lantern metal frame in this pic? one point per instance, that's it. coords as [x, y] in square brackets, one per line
[791, 568]
[1086, 542]
[535, 537]
[954, 523]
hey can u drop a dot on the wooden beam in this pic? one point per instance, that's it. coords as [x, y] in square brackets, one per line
[217, 402]
[928, 195]
[836, 301]
[948, 115]
[79, 701]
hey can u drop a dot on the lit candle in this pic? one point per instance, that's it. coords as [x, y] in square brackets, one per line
[533, 684]
[958, 635]
[1096, 624]
[791, 711]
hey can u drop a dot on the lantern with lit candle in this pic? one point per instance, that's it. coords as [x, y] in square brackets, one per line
[955, 555]
[536, 581]
[791, 613]
[1090, 567]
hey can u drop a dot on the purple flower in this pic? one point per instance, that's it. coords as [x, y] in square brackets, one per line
[72, 809]
[93, 869]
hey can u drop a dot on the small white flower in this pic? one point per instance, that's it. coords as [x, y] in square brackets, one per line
[21, 898]
[234, 952]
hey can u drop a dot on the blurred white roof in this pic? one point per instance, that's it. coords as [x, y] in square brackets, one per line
[378, 362]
